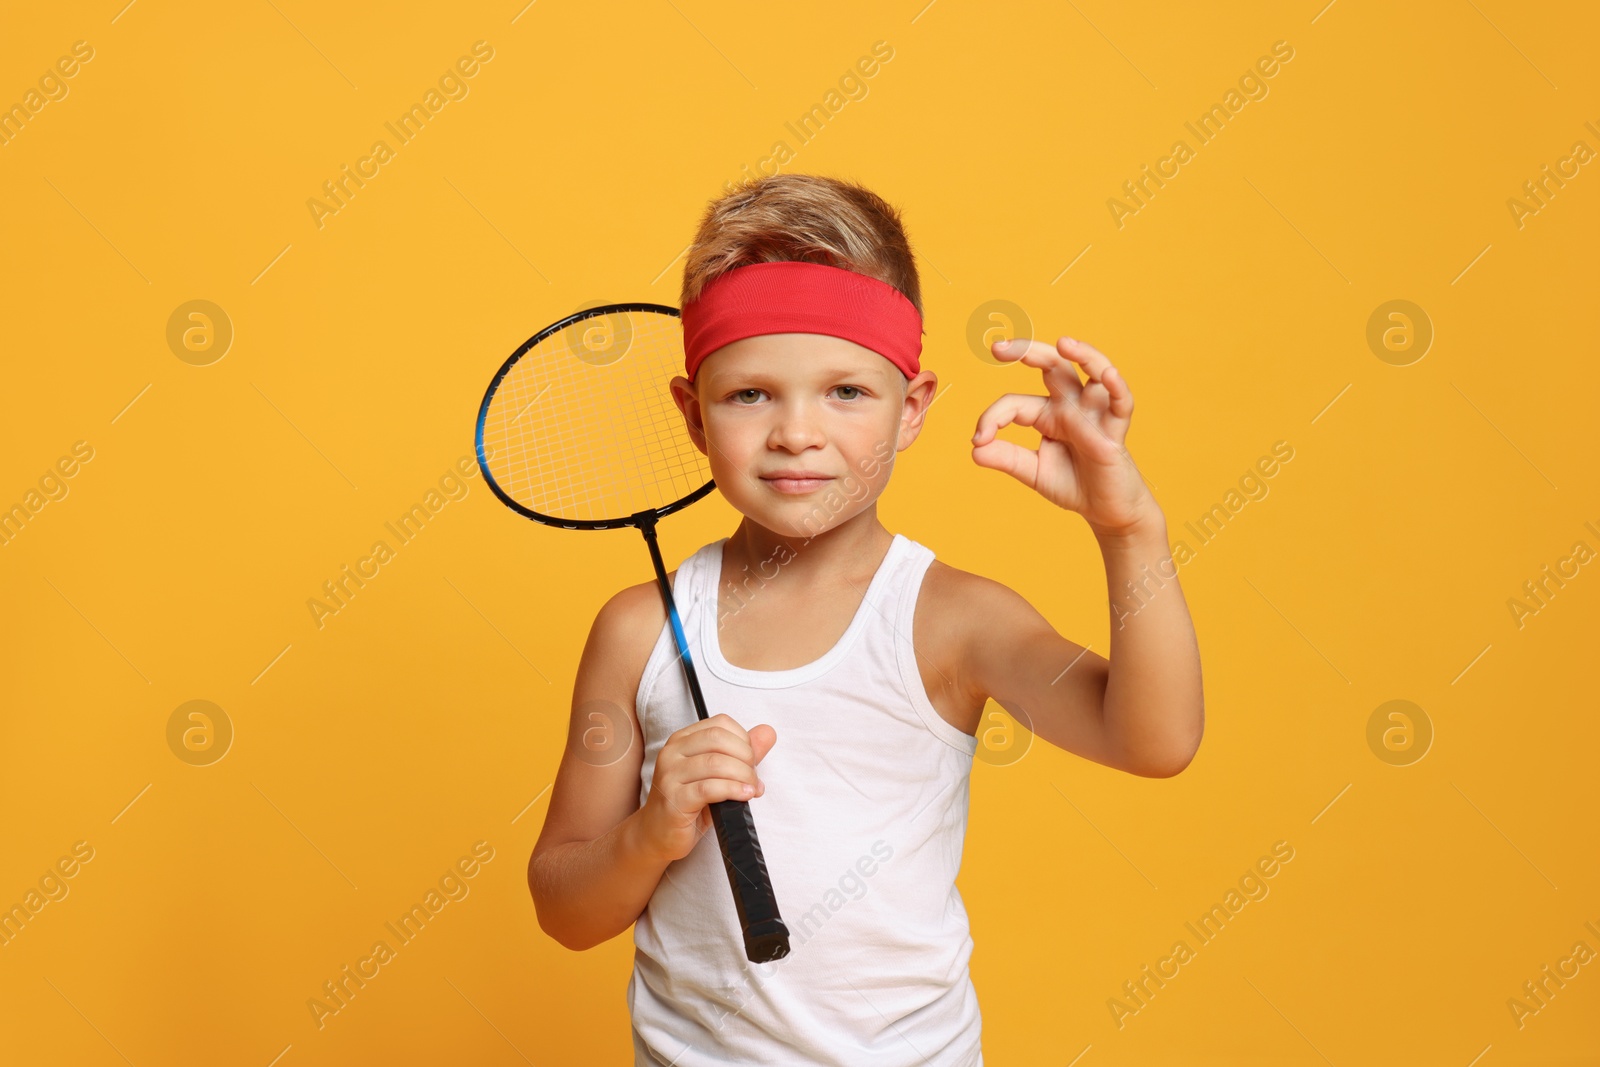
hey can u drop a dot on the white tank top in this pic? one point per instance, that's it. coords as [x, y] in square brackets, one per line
[861, 825]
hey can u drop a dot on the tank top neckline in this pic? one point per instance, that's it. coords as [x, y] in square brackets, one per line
[711, 645]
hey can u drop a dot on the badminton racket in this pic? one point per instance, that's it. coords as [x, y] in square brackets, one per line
[584, 435]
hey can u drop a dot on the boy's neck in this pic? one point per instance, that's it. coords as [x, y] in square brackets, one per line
[854, 546]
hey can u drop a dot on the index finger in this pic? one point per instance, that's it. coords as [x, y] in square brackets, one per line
[1059, 372]
[722, 720]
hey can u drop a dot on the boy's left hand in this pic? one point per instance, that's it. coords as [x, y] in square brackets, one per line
[1081, 463]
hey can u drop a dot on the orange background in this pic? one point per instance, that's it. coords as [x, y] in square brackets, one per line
[371, 754]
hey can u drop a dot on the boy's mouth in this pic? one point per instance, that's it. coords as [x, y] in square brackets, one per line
[797, 481]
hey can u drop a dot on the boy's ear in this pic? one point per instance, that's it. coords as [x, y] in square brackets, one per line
[683, 394]
[920, 392]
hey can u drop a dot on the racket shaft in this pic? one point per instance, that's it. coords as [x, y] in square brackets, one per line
[766, 938]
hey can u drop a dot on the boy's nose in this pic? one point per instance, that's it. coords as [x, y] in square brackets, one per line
[797, 428]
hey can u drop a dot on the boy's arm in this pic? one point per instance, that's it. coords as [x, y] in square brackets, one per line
[592, 872]
[1142, 711]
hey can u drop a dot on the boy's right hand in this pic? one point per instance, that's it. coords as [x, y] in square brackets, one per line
[709, 760]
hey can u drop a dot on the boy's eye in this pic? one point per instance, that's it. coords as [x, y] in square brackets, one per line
[747, 397]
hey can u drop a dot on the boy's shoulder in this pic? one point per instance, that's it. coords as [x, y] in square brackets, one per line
[963, 601]
[635, 613]
[959, 620]
[984, 623]
[624, 631]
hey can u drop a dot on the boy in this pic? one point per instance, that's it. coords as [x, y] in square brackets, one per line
[851, 674]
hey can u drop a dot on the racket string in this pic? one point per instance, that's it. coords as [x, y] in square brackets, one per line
[576, 438]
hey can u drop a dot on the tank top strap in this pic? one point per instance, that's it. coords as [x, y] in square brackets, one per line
[702, 589]
[890, 624]
[889, 646]
[697, 596]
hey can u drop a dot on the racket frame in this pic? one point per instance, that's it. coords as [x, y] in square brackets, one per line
[483, 415]
[766, 937]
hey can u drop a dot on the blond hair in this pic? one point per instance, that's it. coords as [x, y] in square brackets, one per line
[806, 218]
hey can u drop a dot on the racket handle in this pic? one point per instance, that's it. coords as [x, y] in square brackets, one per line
[766, 938]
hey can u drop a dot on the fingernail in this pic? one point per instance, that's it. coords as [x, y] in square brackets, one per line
[1004, 346]
[747, 789]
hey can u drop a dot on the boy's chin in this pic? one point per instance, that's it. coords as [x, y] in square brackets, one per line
[804, 517]
[790, 521]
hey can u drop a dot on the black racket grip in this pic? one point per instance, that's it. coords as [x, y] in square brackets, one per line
[766, 938]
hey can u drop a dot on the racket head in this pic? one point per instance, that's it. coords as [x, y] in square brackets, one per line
[578, 428]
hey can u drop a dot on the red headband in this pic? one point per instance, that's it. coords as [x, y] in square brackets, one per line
[794, 297]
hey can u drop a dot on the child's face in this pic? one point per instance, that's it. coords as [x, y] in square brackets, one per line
[801, 402]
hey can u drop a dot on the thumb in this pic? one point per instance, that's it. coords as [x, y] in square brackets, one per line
[762, 738]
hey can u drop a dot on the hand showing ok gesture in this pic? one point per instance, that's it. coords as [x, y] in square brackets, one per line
[1081, 463]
